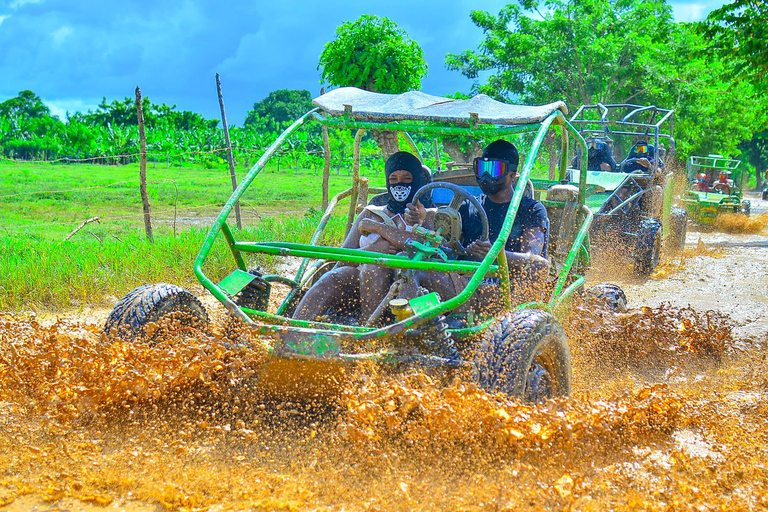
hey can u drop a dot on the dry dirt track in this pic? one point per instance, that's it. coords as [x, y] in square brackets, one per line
[85, 426]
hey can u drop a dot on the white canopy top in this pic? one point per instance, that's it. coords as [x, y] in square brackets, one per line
[418, 106]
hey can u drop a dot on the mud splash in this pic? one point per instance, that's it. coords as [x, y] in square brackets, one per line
[739, 223]
[675, 421]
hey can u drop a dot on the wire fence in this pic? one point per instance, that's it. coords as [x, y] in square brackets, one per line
[176, 214]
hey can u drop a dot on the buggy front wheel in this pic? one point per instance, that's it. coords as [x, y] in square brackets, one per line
[150, 304]
[525, 354]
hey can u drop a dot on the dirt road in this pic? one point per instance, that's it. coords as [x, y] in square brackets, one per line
[668, 413]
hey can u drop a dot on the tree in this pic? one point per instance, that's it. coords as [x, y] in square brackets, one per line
[27, 105]
[738, 33]
[372, 53]
[755, 151]
[712, 115]
[279, 109]
[583, 51]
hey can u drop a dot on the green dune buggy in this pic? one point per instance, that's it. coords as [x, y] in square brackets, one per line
[523, 351]
[634, 216]
[714, 187]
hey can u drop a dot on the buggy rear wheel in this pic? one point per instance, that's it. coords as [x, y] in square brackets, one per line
[648, 247]
[678, 229]
[151, 304]
[525, 354]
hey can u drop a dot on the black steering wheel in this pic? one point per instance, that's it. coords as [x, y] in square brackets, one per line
[450, 213]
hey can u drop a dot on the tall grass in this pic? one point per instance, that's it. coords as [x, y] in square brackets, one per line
[36, 273]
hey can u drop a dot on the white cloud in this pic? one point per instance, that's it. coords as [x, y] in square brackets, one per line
[61, 34]
[18, 3]
[61, 107]
[3, 18]
[686, 11]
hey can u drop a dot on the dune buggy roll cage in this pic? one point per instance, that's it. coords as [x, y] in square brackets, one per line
[718, 163]
[494, 263]
[629, 124]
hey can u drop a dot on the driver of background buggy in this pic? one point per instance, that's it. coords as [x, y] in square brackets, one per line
[526, 247]
[383, 229]
[599, 157]
[639, 158]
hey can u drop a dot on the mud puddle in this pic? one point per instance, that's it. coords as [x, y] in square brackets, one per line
[668, 413]
[674, 420]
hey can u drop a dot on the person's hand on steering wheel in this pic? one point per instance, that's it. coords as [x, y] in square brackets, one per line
[415, 213]
[644, 162]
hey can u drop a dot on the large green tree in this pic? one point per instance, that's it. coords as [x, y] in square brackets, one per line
[738, 33]
[612, 51]
[712, 114]
[372, 53]
[27, 105]
[582, 51]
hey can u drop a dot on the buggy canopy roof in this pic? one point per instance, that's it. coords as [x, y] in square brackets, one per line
[418, 106]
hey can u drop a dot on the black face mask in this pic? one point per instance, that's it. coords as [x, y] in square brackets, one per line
[400, 194]
[491, 186]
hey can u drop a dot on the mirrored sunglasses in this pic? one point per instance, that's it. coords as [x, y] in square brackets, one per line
[494, 168]
[642, 149]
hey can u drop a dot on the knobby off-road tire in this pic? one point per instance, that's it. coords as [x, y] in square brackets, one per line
[648, 247]
[607, 296]
[152, 303]
[746, 208]
[678, 229]
[525, 354]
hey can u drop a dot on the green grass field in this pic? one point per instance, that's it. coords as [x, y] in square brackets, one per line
[50, 200]
[40, 204]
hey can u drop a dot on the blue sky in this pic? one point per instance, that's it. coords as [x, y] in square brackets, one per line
[74, 52]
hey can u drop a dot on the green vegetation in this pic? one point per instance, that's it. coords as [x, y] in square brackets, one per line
[91, 270]
[48, 201]
[372, 53]
[613, 52]
[40, 204]
[581, 51]
[739, 35]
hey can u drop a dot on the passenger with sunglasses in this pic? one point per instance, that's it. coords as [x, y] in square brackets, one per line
[526, 247]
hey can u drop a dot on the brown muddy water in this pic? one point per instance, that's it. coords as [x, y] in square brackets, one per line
[668, 412]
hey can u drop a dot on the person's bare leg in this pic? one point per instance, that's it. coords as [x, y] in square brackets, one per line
[375, 282]
[339, 285]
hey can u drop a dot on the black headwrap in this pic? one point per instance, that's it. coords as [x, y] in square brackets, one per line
[401, 194]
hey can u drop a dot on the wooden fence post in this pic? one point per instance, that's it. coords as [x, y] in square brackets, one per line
[229, 150]
[143, 167]
[327, 164]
